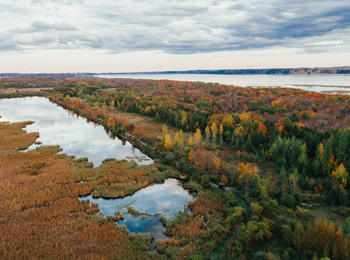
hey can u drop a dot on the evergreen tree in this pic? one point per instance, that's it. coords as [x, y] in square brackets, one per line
[343, 198]
[249, 145]
[283, 179]
[255, 185]
[333, 196]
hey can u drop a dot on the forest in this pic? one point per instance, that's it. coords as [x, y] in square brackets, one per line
[281, 156]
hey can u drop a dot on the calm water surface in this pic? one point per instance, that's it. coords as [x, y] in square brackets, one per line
[164, 199]
[316, 83]
[75, 135]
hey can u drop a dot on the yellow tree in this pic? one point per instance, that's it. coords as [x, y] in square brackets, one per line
[183, 119]
[207, 134]
[112, 105]
[197, 137]
[320, 151]
[181, 137]
[110, 123]
[239, 130]
[320, 160]
[190, 141]
[214, 131]
[221, 131]
[246, 173]
[164, 132]
[217, 164]
[177, 139]
[228, 121]
[294, 178]
[245, 117]
[340, 174]
[167, 142]
[166, 138]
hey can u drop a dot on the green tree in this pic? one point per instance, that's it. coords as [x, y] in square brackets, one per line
[343, 198]
[255, 185]
[294, 178]
[249, 145]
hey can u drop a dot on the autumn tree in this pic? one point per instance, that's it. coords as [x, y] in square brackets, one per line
[181, 137]
[224, 179]
[183, 119]
[245, 175]
[207, 134]
[166, 138]
[323, 238]
[177, 139]
[191, 156]
[197, 138]
[214, 131]
[164, 132]
[217, 164]
[340, 175]
[262, 128]
[221, 130]
[167, 142]
[190, 141]
[294, 178]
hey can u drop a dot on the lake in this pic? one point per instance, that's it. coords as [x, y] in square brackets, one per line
[318, 83]
[74, 134]
[155, 201]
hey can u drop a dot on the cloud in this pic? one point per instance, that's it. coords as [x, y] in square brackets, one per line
[41, 26]
[176, 26]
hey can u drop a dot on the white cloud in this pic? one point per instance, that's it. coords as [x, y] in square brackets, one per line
[174, 27]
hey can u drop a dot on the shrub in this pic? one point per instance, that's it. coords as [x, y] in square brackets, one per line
[33, 169]
[288, 200]
[209, 247]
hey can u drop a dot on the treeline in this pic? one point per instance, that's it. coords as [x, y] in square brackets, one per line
[278, 71]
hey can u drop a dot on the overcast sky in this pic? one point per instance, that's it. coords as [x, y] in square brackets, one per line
[140, 35]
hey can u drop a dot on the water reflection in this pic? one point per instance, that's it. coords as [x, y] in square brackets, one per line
[74, 134]
[316, 83]
[152, 202]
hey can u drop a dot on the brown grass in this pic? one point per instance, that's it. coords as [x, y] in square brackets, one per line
[41, 216]
[21, 90]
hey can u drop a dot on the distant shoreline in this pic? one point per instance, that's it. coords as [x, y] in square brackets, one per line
[345, 70]
[287, 71]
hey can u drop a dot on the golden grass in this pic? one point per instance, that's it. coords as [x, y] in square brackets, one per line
[41, 216]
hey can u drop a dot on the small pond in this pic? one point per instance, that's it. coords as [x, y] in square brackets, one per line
[154, 202]
[74, 134]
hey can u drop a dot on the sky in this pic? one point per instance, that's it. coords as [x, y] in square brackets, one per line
[157, 35]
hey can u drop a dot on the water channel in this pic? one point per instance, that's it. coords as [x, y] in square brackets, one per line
[78, 137]
[74, 134]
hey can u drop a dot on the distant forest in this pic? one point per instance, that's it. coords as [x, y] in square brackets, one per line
[285, 71]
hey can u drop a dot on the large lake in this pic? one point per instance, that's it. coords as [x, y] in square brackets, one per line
[317, 83]
[74, 134]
